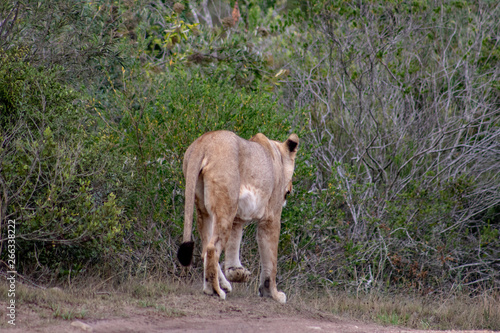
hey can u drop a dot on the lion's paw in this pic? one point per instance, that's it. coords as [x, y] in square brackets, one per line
[225, 285]
[280, 297]
[222, 294]
[210, 291]
[237, 274]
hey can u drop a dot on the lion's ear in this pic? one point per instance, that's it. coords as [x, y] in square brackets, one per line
[292, 143]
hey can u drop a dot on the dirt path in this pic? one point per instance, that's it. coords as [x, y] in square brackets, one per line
[236, 324]
[183, 312]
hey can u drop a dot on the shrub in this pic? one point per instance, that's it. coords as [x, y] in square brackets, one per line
[49, 162]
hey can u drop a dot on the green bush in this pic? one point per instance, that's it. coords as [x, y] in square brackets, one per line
[154, 120]
[49, 163]
[396, 106]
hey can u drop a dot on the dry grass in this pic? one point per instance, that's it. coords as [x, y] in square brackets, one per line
[90, 299]
[95, 299]
[457, 312]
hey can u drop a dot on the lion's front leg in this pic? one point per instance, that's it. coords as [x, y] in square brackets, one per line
[235, 272]
[268, 233]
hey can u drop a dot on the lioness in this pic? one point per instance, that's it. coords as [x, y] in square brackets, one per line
[234, 181]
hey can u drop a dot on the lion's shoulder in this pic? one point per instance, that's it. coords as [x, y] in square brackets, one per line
[262, 140]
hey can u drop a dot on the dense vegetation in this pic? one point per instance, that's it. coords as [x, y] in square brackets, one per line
[397, 104]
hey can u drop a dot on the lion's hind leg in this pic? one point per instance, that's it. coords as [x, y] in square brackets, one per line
[235, 272]
[214, 279]
[223, 282]
[211, 283]
[221, 204]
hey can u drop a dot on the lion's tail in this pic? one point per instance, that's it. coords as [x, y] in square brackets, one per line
[192, 169]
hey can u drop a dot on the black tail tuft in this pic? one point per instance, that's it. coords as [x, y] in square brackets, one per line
[185, 253]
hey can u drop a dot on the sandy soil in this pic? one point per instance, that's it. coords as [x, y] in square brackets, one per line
[191, 312]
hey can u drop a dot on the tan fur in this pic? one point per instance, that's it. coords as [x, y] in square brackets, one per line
[233, 181]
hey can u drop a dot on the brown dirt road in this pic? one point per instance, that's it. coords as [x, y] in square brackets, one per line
[191, 312]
